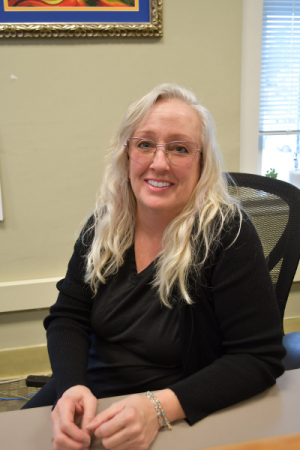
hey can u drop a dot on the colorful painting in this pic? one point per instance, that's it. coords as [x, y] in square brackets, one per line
[80, 18]
[72, 3]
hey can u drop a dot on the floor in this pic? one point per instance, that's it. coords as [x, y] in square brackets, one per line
[15, 389]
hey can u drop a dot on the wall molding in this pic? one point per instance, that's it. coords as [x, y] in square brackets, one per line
[21, 362]
[28, 294]
[291, 324]
[39, 293]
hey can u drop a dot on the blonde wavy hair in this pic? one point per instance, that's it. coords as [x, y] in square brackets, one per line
[190, 238]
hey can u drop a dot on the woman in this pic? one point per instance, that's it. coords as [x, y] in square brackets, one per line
[167, 289]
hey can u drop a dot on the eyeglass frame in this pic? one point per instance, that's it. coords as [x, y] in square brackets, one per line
[166, 152]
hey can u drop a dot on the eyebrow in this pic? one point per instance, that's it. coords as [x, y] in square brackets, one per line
[175, 136]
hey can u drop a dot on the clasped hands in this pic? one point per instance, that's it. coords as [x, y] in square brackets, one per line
[131, 423]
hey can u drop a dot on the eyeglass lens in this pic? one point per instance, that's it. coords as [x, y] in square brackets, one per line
[179, 153]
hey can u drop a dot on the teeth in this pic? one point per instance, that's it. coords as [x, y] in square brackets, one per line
[158, 183]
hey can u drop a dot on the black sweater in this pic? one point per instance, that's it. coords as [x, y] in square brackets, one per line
[231, 337]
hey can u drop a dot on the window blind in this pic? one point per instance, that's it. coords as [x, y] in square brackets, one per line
[280, 67]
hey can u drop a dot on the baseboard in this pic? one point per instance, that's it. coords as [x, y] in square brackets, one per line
[291, 324]
[24, 361]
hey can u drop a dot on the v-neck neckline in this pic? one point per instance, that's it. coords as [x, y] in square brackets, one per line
[135, 276]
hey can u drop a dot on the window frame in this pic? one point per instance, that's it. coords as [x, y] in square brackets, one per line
[250, 153]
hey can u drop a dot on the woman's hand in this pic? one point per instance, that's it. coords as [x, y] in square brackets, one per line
[77, 403]
[131, 423]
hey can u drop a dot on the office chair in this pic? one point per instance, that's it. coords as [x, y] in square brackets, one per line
[274, 208]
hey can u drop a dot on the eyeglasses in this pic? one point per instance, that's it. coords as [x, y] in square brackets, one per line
[179, 153]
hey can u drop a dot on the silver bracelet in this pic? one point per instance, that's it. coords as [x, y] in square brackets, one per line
[162, 419]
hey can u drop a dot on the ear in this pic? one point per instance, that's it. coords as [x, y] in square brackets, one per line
[128, 168]
[201, 163]
[128, 176]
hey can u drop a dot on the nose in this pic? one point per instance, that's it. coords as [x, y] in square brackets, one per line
[160, 160]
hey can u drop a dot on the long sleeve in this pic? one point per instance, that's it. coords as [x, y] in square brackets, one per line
[232, 335]
[68, 325]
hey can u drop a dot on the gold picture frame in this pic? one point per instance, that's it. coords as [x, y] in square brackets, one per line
[151, 26]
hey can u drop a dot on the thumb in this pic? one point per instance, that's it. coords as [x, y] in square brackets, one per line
[89, 411]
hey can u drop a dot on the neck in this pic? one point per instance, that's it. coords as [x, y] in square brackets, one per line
[152, 224]
[149, 231]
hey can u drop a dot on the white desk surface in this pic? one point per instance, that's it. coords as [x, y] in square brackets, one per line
[274, 412]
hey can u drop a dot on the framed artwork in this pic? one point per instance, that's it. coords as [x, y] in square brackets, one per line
[80, 18]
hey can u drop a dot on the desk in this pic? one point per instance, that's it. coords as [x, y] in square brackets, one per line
[272, 413]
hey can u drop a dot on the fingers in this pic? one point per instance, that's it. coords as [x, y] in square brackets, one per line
[124, 424]
[106, 415]
[135, 443]
[125, 428]
[90, 405]
[68, 412]
[129, 424]
[77, 403]
[66, 434]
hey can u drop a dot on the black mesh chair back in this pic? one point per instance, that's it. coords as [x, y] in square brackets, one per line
[274, 208]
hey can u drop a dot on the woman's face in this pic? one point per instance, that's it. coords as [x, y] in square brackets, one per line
[168, 120]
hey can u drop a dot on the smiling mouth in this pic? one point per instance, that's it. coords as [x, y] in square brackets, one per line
[158, 183]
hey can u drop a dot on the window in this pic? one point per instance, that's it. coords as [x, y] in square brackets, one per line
[279, 118]
[250, 151]
[270, 98]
